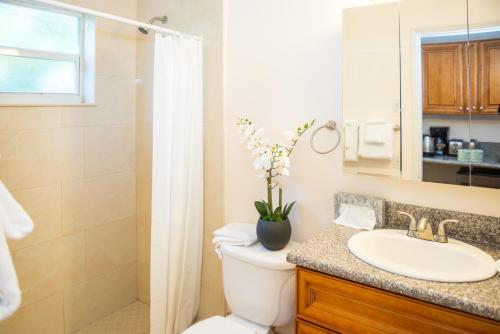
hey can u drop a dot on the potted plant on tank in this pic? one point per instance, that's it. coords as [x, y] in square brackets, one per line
[273, 228]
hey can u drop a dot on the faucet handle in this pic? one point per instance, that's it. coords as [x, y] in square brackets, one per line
[423, 224]
[441, 232]
[413, 221]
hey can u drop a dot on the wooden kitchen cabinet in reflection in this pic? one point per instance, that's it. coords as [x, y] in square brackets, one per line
[489, 77]
[445, 79]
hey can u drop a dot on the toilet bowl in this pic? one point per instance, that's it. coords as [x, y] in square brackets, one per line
[259, 286]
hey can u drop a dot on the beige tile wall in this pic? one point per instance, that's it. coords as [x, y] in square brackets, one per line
[73, 169]
[201, 17]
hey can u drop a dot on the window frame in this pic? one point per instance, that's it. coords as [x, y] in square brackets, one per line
[44, 99]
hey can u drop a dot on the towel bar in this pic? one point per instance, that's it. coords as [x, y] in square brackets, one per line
[332, 126]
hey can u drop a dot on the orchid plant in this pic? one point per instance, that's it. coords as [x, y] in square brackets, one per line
[273, 162]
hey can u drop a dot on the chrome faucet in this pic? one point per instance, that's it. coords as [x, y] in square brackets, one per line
[423, 229]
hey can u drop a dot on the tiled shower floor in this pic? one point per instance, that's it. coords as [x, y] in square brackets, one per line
[132, 319]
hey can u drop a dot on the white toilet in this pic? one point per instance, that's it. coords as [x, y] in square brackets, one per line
[259, 286]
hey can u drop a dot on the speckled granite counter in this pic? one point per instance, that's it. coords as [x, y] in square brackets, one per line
[488, 161]
[328, 253]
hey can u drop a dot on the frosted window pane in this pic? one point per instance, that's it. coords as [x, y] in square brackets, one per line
[30, 28]
[34, 75]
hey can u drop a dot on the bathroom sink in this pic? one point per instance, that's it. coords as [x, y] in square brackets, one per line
[394, 251]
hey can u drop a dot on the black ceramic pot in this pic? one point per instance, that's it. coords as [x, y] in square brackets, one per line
[274, 235]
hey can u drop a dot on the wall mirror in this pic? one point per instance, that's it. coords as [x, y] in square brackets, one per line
[371, 88]
[449, 84]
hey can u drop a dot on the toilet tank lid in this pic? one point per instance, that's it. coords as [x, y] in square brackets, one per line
[260, 256]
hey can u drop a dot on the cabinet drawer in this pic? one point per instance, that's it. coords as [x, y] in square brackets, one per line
[306, 328]
[347, 307]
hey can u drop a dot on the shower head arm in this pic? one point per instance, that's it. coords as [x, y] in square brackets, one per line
[163, 19]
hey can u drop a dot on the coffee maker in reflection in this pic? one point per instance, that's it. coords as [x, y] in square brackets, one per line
[440, 135]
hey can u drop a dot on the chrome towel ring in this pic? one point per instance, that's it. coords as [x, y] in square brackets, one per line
[332, 126]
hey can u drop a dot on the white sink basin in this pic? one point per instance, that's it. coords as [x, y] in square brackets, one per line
[394, 251]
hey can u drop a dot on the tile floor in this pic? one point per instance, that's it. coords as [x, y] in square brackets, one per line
[132, 319]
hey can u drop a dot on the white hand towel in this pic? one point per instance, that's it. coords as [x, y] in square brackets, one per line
[10, 293]
[351, 137]
[382, 134]
[375, 132]
[15, 223]
[237, 234]
[356, 216]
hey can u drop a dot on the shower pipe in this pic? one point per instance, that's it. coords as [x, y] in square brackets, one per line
[116, 18]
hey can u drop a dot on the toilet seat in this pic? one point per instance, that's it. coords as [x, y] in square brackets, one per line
[218, 325]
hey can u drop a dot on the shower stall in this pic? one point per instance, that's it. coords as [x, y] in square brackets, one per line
[82, 169]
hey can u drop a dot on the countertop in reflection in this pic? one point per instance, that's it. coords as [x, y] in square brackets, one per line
[488, 161]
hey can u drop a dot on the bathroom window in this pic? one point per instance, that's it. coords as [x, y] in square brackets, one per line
[46, 55]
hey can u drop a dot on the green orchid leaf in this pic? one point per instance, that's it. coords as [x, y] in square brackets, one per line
[262, 208]
[277, 211]
[286, 212]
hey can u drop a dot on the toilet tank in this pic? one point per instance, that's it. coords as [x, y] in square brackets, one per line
[259, 284]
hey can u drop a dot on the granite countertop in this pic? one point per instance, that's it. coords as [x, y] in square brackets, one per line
[488, 161]
[328, 253]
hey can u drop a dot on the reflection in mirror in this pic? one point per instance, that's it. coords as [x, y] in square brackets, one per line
[371, 87]
[445, 107]
[435, 90]
[484, 50]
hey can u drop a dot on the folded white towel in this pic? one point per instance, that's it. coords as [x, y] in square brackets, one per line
[237, 234]
[375, 132]
[376, 140]
[351, 135]
[15, 223]
[356, 216]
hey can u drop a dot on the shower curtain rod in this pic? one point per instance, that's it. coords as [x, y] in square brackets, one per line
[112, 17]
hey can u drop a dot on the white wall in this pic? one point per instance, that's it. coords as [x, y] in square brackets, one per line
[282, 67]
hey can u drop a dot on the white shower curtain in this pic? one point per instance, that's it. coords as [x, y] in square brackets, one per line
[177, 198]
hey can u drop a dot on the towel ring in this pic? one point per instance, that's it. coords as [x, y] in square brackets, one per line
[332, 126]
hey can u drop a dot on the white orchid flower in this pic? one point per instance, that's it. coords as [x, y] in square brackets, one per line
[283, 171]
[272, 161]
[259, 150]
[285, 161]
[262, 162]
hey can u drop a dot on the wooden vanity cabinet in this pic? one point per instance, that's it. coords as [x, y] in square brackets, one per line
[327, 304]
[445, 81]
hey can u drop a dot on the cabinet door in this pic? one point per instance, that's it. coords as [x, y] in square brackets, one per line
[443, 78]
[342, 306]
[489, 90]
[307, 328]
